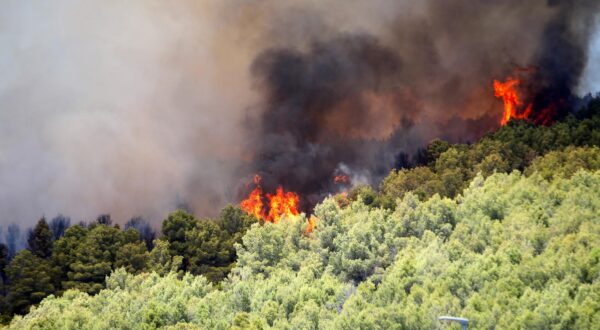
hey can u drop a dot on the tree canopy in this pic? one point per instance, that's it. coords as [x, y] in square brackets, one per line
[512, 251]
[505, 232]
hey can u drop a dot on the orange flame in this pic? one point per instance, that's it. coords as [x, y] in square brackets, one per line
[341, 179]
[310, 226]
[253, 205]
[281, 204]
[508, 93]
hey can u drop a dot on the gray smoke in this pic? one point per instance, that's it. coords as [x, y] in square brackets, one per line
[133, 108]
[128, 108]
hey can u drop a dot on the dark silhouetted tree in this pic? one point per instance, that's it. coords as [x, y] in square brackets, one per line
[58, 226]
[3, 264]
[13, 239]
[144, 228]
[104, 219]
[40, 240]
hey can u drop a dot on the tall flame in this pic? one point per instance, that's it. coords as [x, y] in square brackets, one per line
[281, 204]
[253, 205]
[508, 93]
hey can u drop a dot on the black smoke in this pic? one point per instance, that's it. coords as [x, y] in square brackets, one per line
[335, 104]
[561, 59]
[360, 103]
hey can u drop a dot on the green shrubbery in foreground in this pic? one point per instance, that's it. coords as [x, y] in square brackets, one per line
[511, 252]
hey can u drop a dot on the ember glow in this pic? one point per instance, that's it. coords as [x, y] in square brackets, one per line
[513, 106]
[341, 179]
[270, 207]
[310, 226]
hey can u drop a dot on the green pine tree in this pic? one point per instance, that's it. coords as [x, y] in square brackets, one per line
[30, 281]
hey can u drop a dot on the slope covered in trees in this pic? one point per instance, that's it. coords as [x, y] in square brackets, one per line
[82, 256]
[512, 251]
[505, 232]
[446, 169]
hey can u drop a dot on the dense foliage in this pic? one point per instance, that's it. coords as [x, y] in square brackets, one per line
[80, 257]
[512, 251]
[449, 168]
[505, 232]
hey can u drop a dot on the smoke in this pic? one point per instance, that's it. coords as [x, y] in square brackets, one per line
[590, 80]
[367, 97]
[128, 108]
[133, 108]
[336, 103]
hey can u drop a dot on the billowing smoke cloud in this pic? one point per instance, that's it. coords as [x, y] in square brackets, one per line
[132, 108]
[331, 105]
[129, 108]
[558, 64]
[364, 98]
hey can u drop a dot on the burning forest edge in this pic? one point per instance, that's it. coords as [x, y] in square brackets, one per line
[274, 247]
[272, 207]
[300, 164]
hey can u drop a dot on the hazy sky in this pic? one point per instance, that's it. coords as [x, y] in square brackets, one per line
[131, 107]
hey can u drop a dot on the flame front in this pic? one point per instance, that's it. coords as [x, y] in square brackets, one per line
[253, 205]
[281, 204]
[508, 93]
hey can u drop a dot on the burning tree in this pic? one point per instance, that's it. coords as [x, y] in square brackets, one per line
[281, 204]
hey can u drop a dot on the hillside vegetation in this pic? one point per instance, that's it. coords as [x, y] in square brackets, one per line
[504, 232]
[514, 251]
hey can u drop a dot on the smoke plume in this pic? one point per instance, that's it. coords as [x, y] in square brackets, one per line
[364, 98]
[129, 108]
[134, 108]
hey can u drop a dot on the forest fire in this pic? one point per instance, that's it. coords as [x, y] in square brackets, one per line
[512, 104]
[341, 179]
[310, 226]
[513, 92]
[281, 204]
